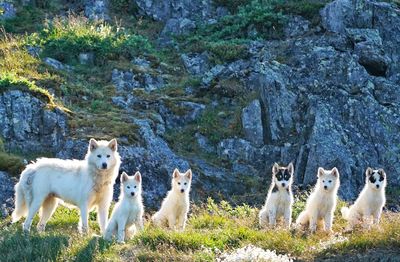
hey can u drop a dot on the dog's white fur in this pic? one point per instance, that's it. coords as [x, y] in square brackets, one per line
[321, 203]
[128, 212]
[175, 207]
[279, 201]
[370, 202]
[86, 184]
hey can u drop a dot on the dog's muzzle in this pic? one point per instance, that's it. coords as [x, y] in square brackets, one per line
[104, 166]
[182, 190]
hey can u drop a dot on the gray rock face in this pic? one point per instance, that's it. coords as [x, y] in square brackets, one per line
[342, 14]
[97, 9]
[57, 64]
[164, 10]
[6, 194]
[277, 101]
[196, 64]
[174, 27]
[296, 26]
[86, 58]
[126, 81]
[252, 123]
[27, 126]
[7, 11]
[191, 111]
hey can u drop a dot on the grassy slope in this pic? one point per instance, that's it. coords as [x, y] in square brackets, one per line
[212, 229]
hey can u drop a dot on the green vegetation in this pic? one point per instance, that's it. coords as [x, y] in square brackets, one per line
[10, 163]
[213, 228]
[65, 39]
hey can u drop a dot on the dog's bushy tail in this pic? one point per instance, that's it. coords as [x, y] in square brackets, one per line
[345, 212]
[21, 208]
[302, 219]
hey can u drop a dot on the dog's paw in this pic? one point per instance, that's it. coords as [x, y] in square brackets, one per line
[41, 228]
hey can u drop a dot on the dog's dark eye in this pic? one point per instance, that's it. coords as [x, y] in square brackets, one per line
[179, 183]
[185, 183]
[108, 156]
[99, 156]
[128, 187]
[323, 181]
[134, 187]
[330, 181]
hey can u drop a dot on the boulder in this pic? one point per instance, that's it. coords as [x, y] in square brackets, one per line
[196, 64]
[7, 11]
[57, 64]
[27, 126]
[185, 112]
[252, 123]
[97, 9]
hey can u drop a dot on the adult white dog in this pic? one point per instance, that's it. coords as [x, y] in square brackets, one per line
[86, 184]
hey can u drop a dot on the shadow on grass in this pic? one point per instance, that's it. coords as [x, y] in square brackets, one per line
[17, 246]
[95, 245]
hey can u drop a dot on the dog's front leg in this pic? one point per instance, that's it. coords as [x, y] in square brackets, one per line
[313, 222]
[83, 221]
[171, 222]
[288, 217]
[328, 222]
[272, 217]
[377, 216]
[139, 222]
[182, 221]
[103, 216]
[121, 231]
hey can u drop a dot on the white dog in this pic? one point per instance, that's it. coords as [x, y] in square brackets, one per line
[86, 184]
[370, 201]
[279, 200]
[175, 206]
[129, 209]
[321, 203]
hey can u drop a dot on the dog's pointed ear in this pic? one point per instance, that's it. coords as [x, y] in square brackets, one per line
[369, 172]
[335, 172]
[321, 171]
[124, 177]
[381, 172]
[113, 144]
[188, 174]
[275, 168]
[176, 173]
[93, 144]
[138, 177]
[291, 169]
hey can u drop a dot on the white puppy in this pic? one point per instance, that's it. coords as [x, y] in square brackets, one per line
[175, 206]
[128, 211]
[279, 201]
[86, 184]
[370, 202]
[321, 204]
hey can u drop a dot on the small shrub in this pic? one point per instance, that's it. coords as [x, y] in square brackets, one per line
[11, 164]
[65, 39]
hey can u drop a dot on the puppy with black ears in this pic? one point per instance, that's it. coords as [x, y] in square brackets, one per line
[279, 201]
[370, 202]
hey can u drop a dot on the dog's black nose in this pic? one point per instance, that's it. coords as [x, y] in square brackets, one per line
[104, 165]
[283, 184]
[325, 187]
[132, 193]
[377, 186]
[182, 190]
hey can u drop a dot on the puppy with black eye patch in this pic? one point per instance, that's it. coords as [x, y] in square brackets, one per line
[279, 201]
[321, 203]
[370, 202]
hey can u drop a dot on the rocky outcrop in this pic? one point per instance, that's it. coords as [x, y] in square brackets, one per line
[27, 126]
[97, 9]
[164, 10]
[6, 194]
[368, 14]
[7, 11]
